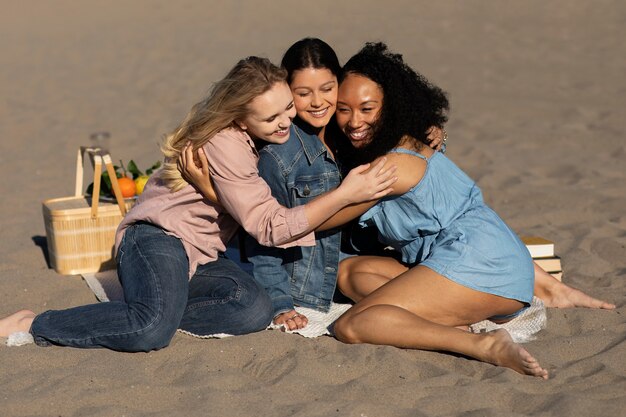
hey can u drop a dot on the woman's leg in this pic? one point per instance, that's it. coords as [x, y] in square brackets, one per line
[359, 276]
[225, 299]
[153, 270]
[556, 294]
[420, 309]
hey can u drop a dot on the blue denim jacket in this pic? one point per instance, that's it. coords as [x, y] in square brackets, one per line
[298, 171]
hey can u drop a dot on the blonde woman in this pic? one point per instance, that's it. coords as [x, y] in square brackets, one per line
[170, 246]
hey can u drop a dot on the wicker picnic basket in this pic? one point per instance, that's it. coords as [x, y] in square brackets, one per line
[80, 231]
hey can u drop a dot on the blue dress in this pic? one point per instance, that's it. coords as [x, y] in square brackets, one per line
[444, 224]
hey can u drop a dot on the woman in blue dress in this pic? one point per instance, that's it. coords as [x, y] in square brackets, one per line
[461, 263]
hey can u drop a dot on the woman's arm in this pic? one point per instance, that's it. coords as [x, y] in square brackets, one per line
[346, 214]
[409, 172]
[247, 198]
[204, 185]
[437, 140]
[199, 177]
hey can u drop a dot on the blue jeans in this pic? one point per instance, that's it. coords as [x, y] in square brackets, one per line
[159, 298]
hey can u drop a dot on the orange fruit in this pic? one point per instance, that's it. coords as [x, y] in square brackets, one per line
[127, 186]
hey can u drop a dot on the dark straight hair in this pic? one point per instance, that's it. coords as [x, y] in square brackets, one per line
[310, 53]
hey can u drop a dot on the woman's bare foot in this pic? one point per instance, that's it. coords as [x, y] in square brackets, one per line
[564, 296]
[501, 350]
[556, 294]
[16, 322]
[292, 320]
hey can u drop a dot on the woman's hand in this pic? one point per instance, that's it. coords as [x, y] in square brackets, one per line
[437, 138]
[366, 184]
[195, 172]
[292, 320]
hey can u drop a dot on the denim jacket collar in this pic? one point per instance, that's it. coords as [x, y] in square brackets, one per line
[312, 148]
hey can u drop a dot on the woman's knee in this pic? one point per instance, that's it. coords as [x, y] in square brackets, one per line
[155, 328]
[343, 329]
[151, 340]
[343, 275]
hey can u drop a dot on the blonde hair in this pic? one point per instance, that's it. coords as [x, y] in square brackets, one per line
[227, 102]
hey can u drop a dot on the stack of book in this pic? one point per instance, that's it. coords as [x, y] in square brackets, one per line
[542, 252]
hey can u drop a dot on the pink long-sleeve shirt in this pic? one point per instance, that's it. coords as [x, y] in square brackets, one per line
[244, 199]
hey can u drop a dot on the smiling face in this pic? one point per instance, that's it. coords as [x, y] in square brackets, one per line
[315, 95]
[270, 115]
[359, 104]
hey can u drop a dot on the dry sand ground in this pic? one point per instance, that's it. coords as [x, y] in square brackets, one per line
[538, 94]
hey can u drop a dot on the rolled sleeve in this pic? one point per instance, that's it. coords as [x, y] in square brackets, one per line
[247, 197]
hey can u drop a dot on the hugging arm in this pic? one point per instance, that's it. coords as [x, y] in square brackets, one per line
[437, 140]
[346, 214]
[198, 175]
[247, 198]
[267, 261]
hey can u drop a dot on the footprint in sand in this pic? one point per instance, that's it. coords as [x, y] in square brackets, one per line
[271, 370]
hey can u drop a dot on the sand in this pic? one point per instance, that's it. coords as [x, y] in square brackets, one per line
[538, 95]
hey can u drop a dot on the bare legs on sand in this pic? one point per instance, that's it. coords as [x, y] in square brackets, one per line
[420, 309]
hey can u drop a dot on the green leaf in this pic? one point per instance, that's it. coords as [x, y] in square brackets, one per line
[104, 189]
[105, 185]
[154, 167]
[132, 168]
[118, 172]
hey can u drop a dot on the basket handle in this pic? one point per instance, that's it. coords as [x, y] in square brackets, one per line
[98, 156]
[116, 185]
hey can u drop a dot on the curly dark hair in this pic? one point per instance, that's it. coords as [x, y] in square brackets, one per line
[411, 104]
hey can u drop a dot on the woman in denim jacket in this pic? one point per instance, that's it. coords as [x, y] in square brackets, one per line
[299, 171]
